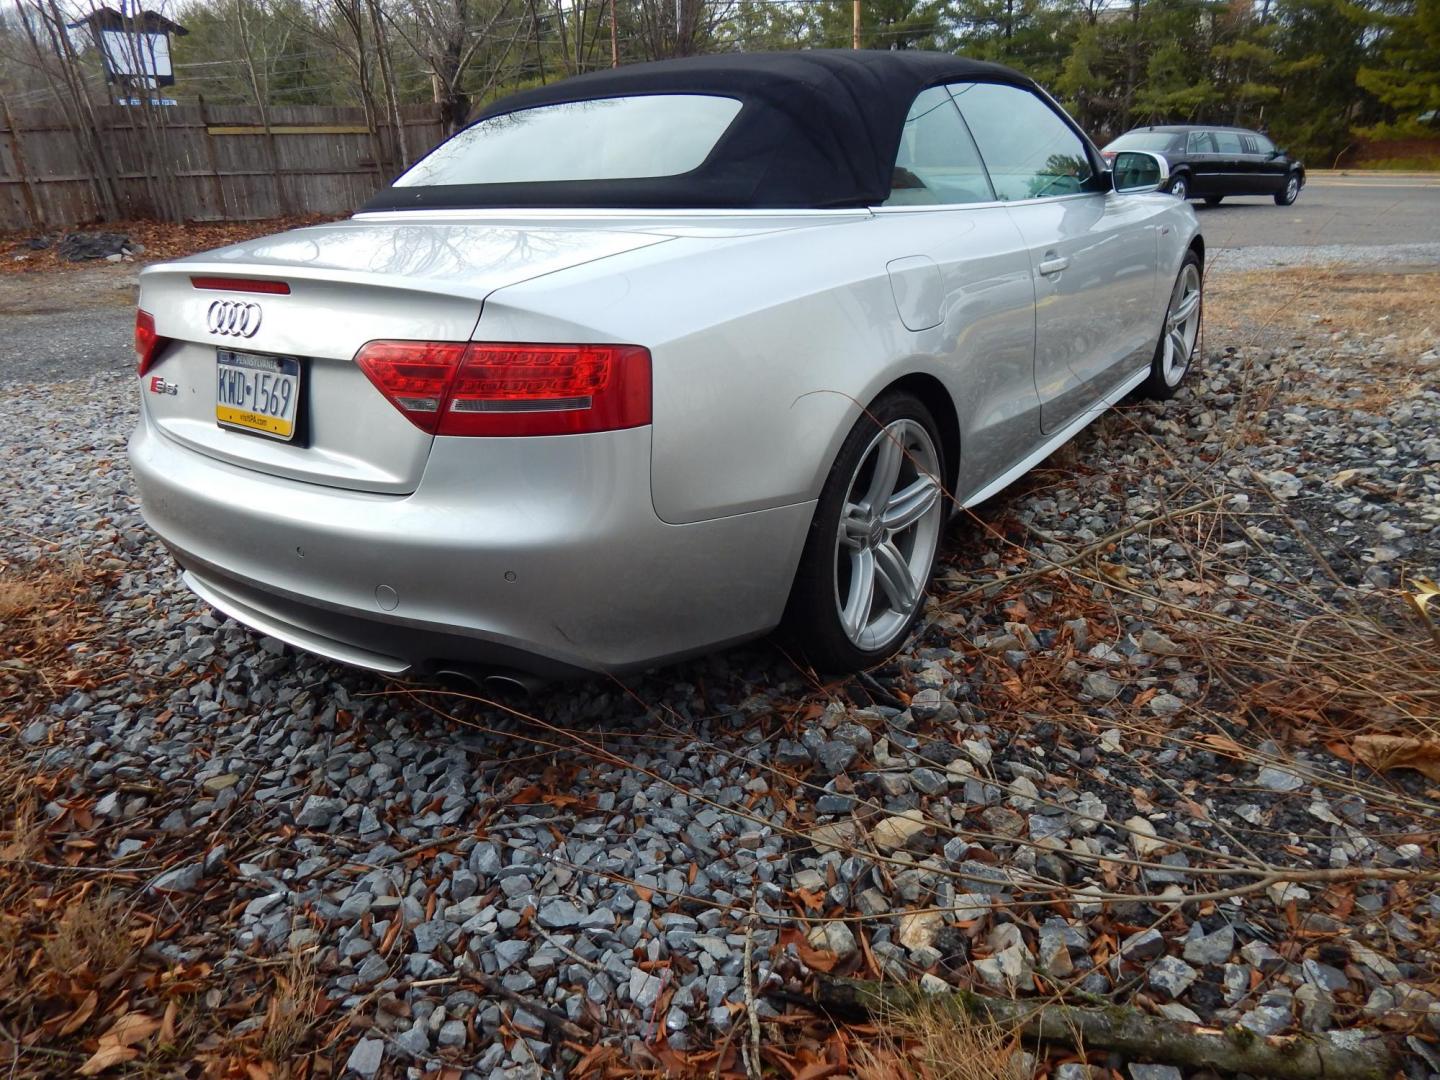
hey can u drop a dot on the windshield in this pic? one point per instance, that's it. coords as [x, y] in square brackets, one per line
[1143, 140]
[602, 139]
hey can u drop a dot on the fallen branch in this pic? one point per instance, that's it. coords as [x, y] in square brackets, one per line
[1352, 1054]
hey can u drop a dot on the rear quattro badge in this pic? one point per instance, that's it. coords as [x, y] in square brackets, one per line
[160, 386]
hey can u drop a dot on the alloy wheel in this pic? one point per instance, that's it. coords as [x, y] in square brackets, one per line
[1179, 188]
[1292, 189]
[889, 530]
[1182, 325]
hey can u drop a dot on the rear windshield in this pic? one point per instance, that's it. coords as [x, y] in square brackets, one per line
[617, 138]
[1143, 140]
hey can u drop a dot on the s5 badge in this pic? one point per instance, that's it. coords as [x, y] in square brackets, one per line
[160, 386]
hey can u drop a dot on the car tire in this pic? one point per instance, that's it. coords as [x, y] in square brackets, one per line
[1180, 186]
[1180, 333]
[1290, 192]
[1214, 200]
[871, 547]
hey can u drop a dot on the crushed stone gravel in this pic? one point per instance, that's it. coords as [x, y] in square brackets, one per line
[1017, 802]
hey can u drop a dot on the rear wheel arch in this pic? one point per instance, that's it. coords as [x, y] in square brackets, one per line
[932, 394]
[935, 397]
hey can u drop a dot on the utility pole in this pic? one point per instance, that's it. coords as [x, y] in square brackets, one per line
[614, 39]
[855, 33]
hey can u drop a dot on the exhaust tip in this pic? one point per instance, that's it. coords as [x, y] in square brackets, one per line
[491, 680]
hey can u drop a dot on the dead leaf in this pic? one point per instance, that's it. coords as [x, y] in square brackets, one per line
[130, 1029]
[1385, 752]
[1425, 591]
[82, 1013]
[167, 1025]
[1223, 745]
[107, 1057]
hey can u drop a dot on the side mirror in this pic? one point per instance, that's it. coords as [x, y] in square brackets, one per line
[1134, 172]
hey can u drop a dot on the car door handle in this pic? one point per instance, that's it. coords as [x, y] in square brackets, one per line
[1054, 264]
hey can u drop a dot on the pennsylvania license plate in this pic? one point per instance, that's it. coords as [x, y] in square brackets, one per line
[257, 393]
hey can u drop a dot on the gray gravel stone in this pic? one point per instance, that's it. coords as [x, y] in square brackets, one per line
[415, 1041]
[1213, 948]
[645, 989]
[835, 757]
[181, 879]
[1277, 779]
[559, 915]
[319, 811]
[1170, 976]
[1098, 686]
[365, 1058]
[1154, 1072]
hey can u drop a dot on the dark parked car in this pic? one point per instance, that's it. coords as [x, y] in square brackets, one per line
[1209, 163]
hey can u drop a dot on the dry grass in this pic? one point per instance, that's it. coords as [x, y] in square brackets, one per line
[930, 1041]
[1355, 661]
[92, 936]
[291, 1016]
[18, 599]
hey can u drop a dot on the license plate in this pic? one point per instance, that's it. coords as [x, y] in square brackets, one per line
[257, 393]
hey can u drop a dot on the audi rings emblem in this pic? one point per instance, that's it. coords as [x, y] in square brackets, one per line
[233, 318]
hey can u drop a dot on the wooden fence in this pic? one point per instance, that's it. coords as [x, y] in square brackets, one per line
[314, 159]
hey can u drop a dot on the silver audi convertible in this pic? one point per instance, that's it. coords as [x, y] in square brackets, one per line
[653, 360]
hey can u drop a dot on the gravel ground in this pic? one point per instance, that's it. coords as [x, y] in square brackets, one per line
[1019, 803]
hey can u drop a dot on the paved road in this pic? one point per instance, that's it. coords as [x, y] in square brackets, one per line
[1332, 209]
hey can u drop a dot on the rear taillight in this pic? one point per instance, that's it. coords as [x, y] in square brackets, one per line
[414, 375]
[147, 342]
[457, 388]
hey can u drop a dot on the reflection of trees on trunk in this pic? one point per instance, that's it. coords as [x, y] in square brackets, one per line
[425, 251]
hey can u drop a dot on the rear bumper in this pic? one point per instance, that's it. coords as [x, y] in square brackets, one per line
[539, 554]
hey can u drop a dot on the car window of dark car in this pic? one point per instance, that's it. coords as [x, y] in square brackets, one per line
[601, 139]
[1228, 142]
[1200, 143]
[937, 163]
[1146, 140]
[1264, 144]
[1029, 151]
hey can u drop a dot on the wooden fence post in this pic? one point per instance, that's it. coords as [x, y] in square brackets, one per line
[210, 158]
[32, 204]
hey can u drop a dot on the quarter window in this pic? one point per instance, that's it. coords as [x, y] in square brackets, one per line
[1228, 142]
[1029, 151]
[937, 163]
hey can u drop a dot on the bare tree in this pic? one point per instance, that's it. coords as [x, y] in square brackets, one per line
[57, 61]
[448, 37]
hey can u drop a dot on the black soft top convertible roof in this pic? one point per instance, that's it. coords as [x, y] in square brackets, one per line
[816, 129]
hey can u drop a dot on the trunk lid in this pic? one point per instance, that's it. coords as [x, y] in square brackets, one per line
[349, 283]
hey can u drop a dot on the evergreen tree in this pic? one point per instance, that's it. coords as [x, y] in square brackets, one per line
[1406, 75]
